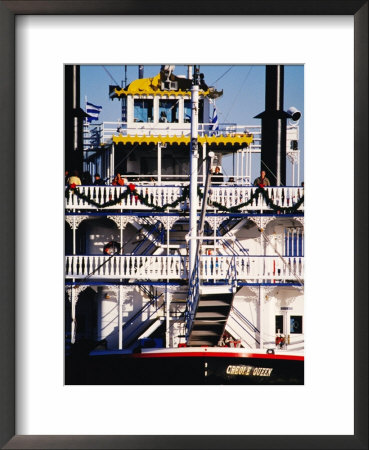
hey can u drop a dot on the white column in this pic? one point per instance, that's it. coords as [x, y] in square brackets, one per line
[156, 109]
[112, 162]
[73, 314]
[246, 163]
[298, 168]
[168, 226]
[189, 72]
[159, 163]
[74, 234]
[203, 163]
[261, 315]
[242, 166]
[194, 157]
[237, 167]
[130, 112]
[120, 313]
[251, 180]
[167, 319]
[167, 299]
[181, 110]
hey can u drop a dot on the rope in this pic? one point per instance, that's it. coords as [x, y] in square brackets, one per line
[237, 94]
[222, 75]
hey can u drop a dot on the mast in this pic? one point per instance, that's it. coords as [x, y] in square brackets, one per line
[194, 159]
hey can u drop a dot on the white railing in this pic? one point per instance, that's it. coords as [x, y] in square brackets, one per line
[251, 268]
[126, 267]
[226, 195]
[105, 131]
[212, 267]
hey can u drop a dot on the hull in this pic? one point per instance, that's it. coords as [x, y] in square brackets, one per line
[186, 367]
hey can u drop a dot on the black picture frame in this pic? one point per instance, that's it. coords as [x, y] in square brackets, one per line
[8, 10]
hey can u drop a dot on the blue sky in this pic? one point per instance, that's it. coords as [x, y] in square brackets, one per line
[243, 94]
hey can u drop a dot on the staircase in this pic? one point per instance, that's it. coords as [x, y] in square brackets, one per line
[210, 319]
[152, 239]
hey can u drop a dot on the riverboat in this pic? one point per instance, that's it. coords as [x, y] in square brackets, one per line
[178, 273]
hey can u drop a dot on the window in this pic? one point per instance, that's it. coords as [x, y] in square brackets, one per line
[279, 324]
[296, 324]
[143, 110]
[168, 111]
[187, 111]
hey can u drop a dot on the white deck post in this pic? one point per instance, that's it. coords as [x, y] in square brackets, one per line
[120, 312]
[112, 161]
[167, 317]
[159, 163]
[167, 301]
[203, 163]
[73, 314]
[74, 235]
[261, 304]
[194, 157]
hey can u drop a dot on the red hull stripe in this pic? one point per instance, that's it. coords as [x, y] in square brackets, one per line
[216, 355]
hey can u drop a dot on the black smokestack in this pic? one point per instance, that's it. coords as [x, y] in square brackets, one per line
[140, 71]
[74, 117]
[273, 127]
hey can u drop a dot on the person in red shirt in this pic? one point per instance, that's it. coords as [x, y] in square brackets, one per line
[262, 181]
[118, 180]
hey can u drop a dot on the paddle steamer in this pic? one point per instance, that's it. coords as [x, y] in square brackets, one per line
[176, 274]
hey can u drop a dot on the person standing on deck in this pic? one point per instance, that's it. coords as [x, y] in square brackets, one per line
[262, 181]
[98, 181]
[218, 176]
[75, 179]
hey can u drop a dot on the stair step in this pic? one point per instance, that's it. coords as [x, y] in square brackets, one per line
[209, 333]
[212, 303]
[207, 323]
[210, 315]
[200, 343]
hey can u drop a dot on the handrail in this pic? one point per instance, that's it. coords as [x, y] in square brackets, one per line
[127, 338]
[253, 337]
[193, 297]
[150, 232]
[241, 316]
[143, 309]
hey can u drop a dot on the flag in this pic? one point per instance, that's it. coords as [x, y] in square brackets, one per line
[93, 111]
[214, 120]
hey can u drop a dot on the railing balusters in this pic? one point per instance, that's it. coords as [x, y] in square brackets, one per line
[158, 267]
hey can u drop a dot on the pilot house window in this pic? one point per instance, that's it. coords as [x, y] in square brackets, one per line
[187, 111]
[168, 111]
[143, 110]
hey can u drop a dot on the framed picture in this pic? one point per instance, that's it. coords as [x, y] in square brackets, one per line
[37, 247]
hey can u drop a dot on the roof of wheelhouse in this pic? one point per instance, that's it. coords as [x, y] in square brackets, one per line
[153, 86]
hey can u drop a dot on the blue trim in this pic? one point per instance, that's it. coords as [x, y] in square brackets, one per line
[179, 214]
[164, 283]
[118, 283]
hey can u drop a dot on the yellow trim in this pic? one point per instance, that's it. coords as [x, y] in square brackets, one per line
[239, 139]
[151, 86]
[178, 93]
